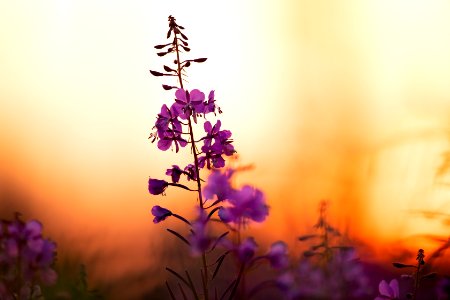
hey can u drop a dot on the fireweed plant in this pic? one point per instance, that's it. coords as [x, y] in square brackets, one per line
[217, 200]
[26, 260]
[231, 265]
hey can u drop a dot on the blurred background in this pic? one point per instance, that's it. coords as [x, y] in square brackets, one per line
[347, 101]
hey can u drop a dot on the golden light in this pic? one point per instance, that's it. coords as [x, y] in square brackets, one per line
[346, 101]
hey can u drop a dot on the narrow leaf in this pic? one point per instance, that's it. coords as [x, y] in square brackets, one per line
[184, 37]
[172, 296]
[178, 276]
[213, 211]
[228, 289]
[168, 87]
[307, 237]
[162, 46]
[429, 276]
[179, 236]
[219, 262]
[401, 266]
[168, 69]
[182, 291]
[154, 73]
[218, 240]
[200, 60]
[194, 291]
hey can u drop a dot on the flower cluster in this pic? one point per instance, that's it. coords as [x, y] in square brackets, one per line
[247, 203]
[26, 259]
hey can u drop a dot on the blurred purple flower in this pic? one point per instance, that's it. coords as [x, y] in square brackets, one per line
[160, 213]
[24, 254]
[246, 250]
[218, 184]
[340, 278]
[188, 103]
[157, 186]
[443, 288]
[175, 172]
[199, 238]
[246, 203]
[388, 291]
[278, 255]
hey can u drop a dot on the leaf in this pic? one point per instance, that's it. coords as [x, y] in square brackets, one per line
[213, 211]
[154, 73]
[178, 275]
[307, 237]
[200, 60]
[178, 236]
[401, 266]
[172, 296]
[168, 87]
[228, 289]
[219, 239]
[182, 291]
[169, 33]
[219, 262]
[194, 291]
[184, 37]
[429, 276]
[162, 46]
[168, 69]
[162, 53]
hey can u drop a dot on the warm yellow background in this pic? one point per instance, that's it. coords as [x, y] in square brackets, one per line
[339, 100]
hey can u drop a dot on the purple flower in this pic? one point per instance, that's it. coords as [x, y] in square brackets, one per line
[210, 106]
[246, 250]
[278, 255]
[218, 184]
[188, 103]
[24, 254]
[246, 203]
[212, 156]
[175, 172]
[388, 291]
[169, 129]
[171, 136]
[156, 186]
[192, 173]
[160, 213]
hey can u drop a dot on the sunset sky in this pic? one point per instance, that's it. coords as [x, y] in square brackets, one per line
[341, 100]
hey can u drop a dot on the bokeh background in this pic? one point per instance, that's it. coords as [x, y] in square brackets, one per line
[347, 101]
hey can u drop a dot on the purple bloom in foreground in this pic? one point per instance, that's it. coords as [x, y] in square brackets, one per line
[388, 291]
[188, 103]
[247, 203]
[175, 172]
[160, 213]
[218, 184]
[278, 255]
[156, 186]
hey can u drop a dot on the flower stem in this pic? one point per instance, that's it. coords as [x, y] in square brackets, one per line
[197, 169]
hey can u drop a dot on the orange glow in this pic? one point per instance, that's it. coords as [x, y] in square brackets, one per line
[339, 100]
